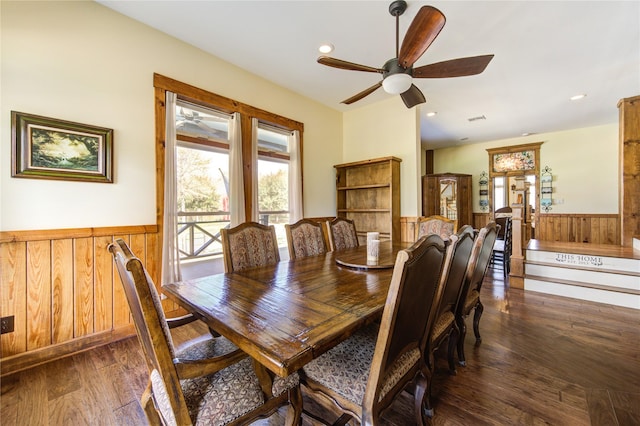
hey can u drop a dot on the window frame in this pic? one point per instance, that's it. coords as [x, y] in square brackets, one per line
[188, 93]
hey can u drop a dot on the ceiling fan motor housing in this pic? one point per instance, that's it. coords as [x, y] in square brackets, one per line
[392, 66]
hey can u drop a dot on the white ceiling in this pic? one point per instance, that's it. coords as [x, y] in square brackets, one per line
[545, 52]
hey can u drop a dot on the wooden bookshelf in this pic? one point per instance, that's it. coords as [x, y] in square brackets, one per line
[368, 192]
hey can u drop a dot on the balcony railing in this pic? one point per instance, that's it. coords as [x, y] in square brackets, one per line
[199, 232]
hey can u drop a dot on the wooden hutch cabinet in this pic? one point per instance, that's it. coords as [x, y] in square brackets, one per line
[448, 195]
[369, 194]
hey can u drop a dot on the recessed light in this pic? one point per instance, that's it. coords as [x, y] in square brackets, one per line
[577, 97]
[431, 113]
[526, 134]
[464, 139]
[325, 48]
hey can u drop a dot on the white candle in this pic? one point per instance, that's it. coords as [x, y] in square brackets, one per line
[373, 250]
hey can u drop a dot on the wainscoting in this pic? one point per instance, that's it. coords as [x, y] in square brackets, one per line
[63, 291]
[579, 228]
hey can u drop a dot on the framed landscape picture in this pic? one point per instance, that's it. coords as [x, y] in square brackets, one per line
[48, 148]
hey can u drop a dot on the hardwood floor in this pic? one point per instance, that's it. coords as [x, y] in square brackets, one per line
[543, 360]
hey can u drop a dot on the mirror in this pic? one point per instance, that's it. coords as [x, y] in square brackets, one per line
[448, 199]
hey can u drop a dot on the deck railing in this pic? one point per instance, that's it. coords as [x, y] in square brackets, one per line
[199, 232]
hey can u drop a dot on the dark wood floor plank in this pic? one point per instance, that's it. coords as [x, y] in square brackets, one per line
[626, 406]
[62, 378]
[33, 406]
[600, 408]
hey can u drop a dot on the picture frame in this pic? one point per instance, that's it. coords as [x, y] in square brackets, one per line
[49, 148]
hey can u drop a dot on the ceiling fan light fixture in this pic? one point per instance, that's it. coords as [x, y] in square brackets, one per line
[395, 84]
[326, 48]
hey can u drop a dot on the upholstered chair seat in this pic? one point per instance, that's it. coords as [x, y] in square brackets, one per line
[357, 353]
[221, 397]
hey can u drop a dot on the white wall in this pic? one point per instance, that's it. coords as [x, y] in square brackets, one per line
[383, 129]
[584, 165]
[82, 62]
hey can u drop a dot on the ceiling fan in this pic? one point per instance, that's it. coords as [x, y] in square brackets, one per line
[398, 73]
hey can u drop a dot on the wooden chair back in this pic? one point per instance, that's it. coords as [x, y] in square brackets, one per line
[457, 272]
[479, 262]
[305, 238]
[414, 293]
[438, 225]
[502, 223]
[249, 245]
[151, 327]
[342, 234]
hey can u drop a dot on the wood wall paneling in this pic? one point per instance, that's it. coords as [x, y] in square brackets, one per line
[13, 290]
[103, 284]
[38, 291]
[83, 286]
[62, 288]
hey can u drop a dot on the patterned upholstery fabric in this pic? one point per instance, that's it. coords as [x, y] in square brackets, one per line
[472, 299]
[345, 368]
[445, 320]
[221, 397]
[250, 248]
[435, 226]
[307, 240]
[344, 236]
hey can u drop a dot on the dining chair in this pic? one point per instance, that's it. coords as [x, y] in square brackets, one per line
[502, 247]
[249, 245]
[342, 234]
[470, 295]
[305, 238]
[361, 376]
[445, 328]
[438, 225]
[210, 381]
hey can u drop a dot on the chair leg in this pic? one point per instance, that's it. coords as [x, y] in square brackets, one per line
[294, 411]
[421, 411]
[476, 321]
[454, 336]
[462, 326]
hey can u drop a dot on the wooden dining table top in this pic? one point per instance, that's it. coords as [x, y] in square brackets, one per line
[287, 314]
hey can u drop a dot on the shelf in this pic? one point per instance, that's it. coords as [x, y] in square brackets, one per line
[373, 186]
[364, 210]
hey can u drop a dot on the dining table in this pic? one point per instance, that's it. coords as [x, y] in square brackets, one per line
[286, 314]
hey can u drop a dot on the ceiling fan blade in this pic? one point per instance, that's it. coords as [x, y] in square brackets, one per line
[454, 68]
[346, 65]
[412, 97]
[423, 30]
[362, 94]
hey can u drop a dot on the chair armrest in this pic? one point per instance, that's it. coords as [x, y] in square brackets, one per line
[189, 369]
[180, 321]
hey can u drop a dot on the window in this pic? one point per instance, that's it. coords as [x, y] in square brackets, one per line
[273, 179]
[499, 194]
[202, 174]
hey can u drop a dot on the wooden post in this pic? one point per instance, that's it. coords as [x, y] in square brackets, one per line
[629, 169]
[516, 275]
